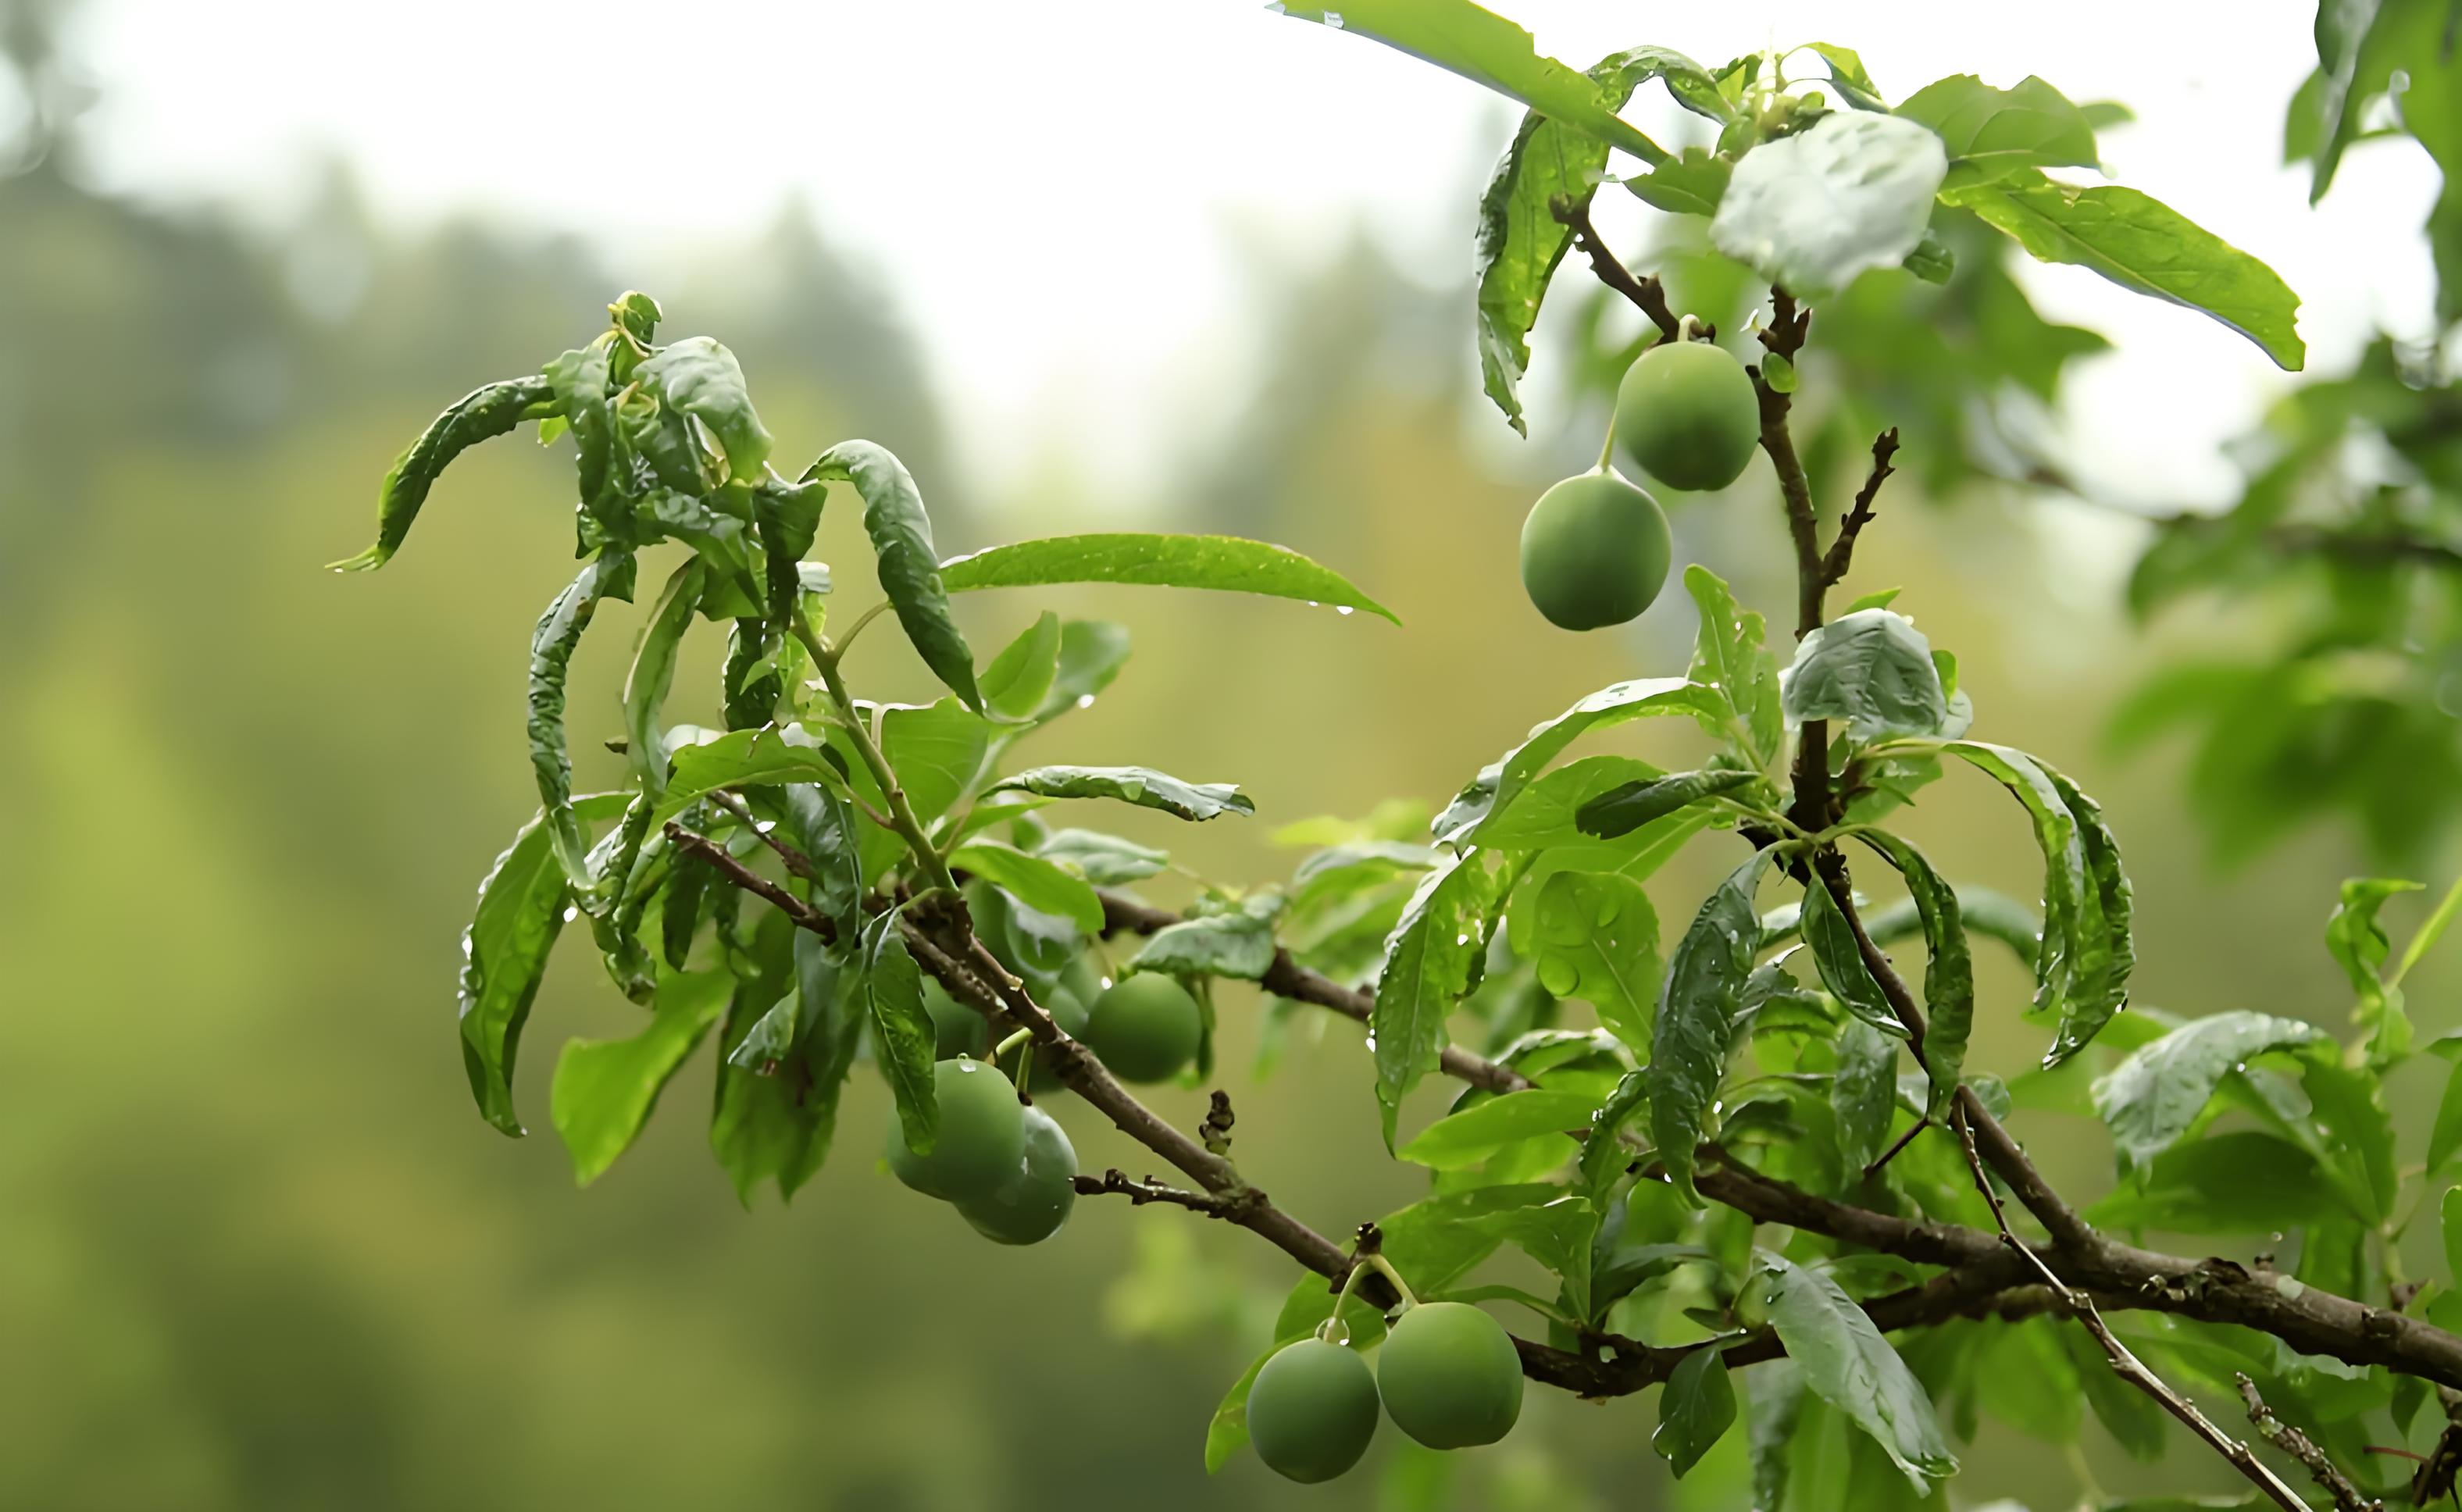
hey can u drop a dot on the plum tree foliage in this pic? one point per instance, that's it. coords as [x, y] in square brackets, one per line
[1746, 1150]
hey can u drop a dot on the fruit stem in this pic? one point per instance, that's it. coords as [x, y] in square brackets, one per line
[1021, 1042]
[1333, 1330]
[1385, 1267]
[1684, 328]
[1606, 447]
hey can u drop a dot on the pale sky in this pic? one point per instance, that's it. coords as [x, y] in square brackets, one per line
[1059, 194]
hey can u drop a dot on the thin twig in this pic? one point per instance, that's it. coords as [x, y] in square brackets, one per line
[1840, 555]
[2270, 1427]
[1647, 294]
[1149, 1190]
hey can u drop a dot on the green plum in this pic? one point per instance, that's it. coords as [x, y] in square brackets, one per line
[1312, 1411]
[1594, 551]
[1067, 1004]
[981, 1139]
[1686, 414]
[1031, 1206]
[958, 1029]
[1145, 1028]
[1450, 1376]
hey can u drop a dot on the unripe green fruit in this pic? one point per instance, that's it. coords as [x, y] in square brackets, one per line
[957, 1029]
[1311, 1410]
[1450, 1376]
[1145, 1028]
[1594, 551]
[982, 1135]
[1686, 414]
[1032, 1204]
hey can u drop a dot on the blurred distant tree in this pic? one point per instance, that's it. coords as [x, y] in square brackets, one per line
[1742, 1165]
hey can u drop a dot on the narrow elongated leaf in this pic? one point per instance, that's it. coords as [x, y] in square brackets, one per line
[582, 379]
[1495, 787]
[1092, 654]
[2448, 1213]
[1603, 1154]
[2359, 944]
[1846, 1363]
[1777, 1401]
[902, 1037]
[2072, 909]
[1625, 809]
[1705, 984]
[1141, 785]
[2106, 960]
[756, 758]
[1948, 968]
[654, 671]
[1019, 677]
[1543, 814]
[2444, 1136]
[1228, 563]
[2144, 246]
[774, 1119]
[699, 378]
[1486, 49]
[1852, 191]
[481, 415]
[1460, 1141]
[504, 956]
[1105, 860]
[1872, 669]
[1043, 885]
[2151, 1098]
[1431, 960]
[1598, 940]
[551, 644]
[907, 561]
[605, 1089]
[1729, 654]
[1864, 1095]
[1839, 960]
[1846, 72]
[1694, 1410]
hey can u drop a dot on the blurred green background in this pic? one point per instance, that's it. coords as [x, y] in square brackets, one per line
[257, 1251]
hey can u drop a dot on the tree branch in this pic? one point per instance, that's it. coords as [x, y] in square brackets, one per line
[1647, 294]
[1840, 555]
[1149, 1190]
[2270, 1427]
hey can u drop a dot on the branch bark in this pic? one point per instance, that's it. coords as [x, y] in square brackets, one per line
[1646, 294]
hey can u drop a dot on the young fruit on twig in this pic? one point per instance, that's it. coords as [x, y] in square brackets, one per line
[1145, 1028]
[1450, 1376]
[982, 1137]
[1033, 1203]
[1686, 414]
[1594, 551]
[1312, 1411]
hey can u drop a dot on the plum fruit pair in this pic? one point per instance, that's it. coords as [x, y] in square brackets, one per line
[1008, 1169]
[1595, 548]
[1447, 1375]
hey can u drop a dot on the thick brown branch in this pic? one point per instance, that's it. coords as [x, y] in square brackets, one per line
[1646, 294]
[2270, 1427]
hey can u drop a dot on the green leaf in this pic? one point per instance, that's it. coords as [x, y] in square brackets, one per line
[1729, 654]
[2449, 1217]
[907, 561]
[1705, 983]
[1840, 960]
[1431, 960]
[2444, 1136]
[1558, 1235]
[1105, 860]
[1603, 1154]
[1092, 654]
[1521, 242]
[654, 671]
[1694, 1410]
[1847, 1364]
[1692, 182]
[2146, 247]
[902, 1037]
[2154, 1096]
[2358, 942]
[1487, 49]
[481, 415]
[1847, 73]
[1234, 942]
[1495, 789]
[756, 758]
[604, 1089]
[1864, 1095]
[1777, 1401]
[1853, 191]
[1141, 785]
[2108, 955]
[2072, 907]
[698, 377]
[551, 644]
[937, 751]
[1039, 883]
[1460, 1141]
[1872, 669]
[1543, 813]
[775, 1118]
[2241, 1182]
[1019, 677]
[1438, 1240]
[503, 958]
[1598, 940]
[1949, 970]
[2352, 1134]
[1228, 563]
[582, 379]
[1625, 809]
[1992, 132]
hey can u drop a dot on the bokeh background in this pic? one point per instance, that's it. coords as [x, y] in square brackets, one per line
[1192, 265]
